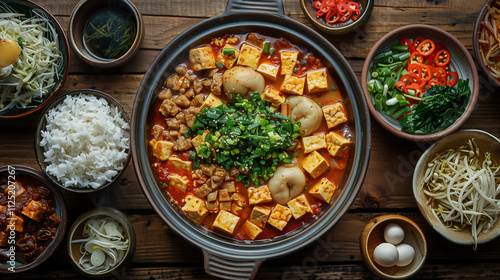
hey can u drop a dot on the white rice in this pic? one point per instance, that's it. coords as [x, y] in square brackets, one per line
[85, 141]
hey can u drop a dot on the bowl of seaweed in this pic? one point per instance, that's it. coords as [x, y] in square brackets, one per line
[105, 34]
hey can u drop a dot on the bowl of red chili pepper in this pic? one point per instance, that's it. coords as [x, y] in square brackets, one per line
[420, 82]
[337, 16]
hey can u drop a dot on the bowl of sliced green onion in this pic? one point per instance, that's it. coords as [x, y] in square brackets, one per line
[34, 58]
[100, 242]
[420, 82]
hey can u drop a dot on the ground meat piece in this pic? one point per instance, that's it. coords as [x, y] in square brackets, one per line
[173, 124]
[165, 94]
[183, 128]
[198, 177]
[189, 93]
[180, 117]
[172, 135]
[218, 176]
[216, 84]
[233, 172]
[255, 40]
[232, 40]
[217, 42]
[206, 83]
[208, 170]
[197, 100]
[212, 72]
[182, 143]
[186, 82]
[203, 191]
[190, 115]
[174, 82]
[182, 101]
[169, 108]
[157, 132]
[181, 69]
[197, 86]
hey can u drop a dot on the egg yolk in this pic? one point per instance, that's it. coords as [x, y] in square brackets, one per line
[9, 52]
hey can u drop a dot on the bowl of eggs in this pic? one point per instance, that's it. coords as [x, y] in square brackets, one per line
[393, 247]
[34, 58]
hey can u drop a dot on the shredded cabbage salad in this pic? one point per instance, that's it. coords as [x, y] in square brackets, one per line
[40, 63]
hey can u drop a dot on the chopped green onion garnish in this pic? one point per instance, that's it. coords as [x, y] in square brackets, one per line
[219, 65]
[228, 51]
[267, 45]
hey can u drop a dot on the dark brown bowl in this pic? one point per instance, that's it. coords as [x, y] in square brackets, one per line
[14, 170]
[461, 62]
[366, 7]
[76, 232]
[83, 11]
[492, 81]
[26, 7]
[41, 126]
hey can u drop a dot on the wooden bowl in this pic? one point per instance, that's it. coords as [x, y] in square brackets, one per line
[11, 172]
[461, 62]
[373, 234]
[492, 81]
[39, 151]
[366, 7]
[487, 143]
[80, 15]
[76, 232]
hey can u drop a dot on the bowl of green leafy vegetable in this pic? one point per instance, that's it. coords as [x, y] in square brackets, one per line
[420, 82]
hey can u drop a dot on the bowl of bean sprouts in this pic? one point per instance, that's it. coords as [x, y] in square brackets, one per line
[38, 65]
[100, 242]
[456, 185]
[486, 42]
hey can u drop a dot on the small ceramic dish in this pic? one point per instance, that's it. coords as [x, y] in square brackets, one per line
[31, 176]
[338, 28]
[487, 143]
[29, 9]
[39, 151]
[461, 62]
[87, 9]
[480, 62]
[373, 235]
[76, 232]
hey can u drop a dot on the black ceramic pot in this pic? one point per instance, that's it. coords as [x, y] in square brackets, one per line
[225, 257]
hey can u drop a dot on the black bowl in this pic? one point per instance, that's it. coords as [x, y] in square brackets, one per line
[237, 258]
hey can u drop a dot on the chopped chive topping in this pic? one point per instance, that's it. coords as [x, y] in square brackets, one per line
[267, 45]
[272, 51]
[248, 135]
[219, 65]
[228, 51]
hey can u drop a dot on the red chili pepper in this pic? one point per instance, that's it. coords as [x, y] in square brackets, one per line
[352, 6]
[415, 68]
[426, 72]
[453, 81]
[345, 17]
[355, 15]
[426, 47]
[317, 5]
[415, 79]
[337, 10]
[440, 46]
[442, 58]
[419, 91]
[417, 41]
[432, 83]
[416, 57]
[401, 86]
[406, 42]
[405, 79]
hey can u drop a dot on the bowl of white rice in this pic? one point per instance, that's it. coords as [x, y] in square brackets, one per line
[82, 140]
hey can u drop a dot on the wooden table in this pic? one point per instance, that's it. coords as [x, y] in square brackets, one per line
[161, 254]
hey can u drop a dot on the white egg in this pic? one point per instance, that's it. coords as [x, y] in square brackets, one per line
[394, 233]
[385, 254]
[406, 254]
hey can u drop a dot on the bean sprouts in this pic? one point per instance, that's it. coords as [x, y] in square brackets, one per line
[103, 246]
[40, 64]
[463, 189]
[489, 39]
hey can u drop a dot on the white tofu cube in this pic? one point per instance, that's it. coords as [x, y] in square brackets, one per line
[334, 115]
[226, 222]
[199, 140]
[299, 206]
[249, 56]
[315, 164]
[162, 150]
[202, 58]
[228, 60]
[269, 70]
[323, 190]
[336, 144]
[211, 101]
[288, 61]
[280, 216]
[181, 164]
[313, 143]
[293, 85]
[259, 195]
[250, 230]
[273, 96]
[194, 209]
[178, 182]
[259, 216]
[317, 81]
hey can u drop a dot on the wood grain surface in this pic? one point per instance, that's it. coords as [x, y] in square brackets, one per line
[161, 254]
